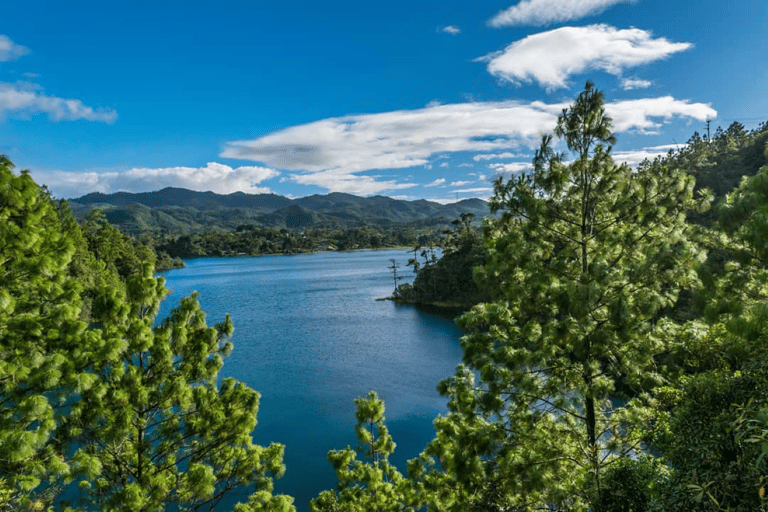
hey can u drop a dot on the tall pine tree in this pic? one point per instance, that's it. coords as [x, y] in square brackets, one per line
[587, 254]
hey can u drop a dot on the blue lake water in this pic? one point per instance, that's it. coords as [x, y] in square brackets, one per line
[310, 337]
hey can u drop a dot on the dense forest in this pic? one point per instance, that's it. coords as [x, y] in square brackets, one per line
[614, 355]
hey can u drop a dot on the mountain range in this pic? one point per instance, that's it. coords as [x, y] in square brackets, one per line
[179, 211]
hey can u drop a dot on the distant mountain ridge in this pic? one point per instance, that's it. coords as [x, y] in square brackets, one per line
[178, 210]
[172, 196]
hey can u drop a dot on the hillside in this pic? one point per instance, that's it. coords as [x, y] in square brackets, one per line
[182, 211]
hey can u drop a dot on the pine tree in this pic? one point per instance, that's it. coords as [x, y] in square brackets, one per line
[131, 412]
[586, 255]
[158, 429]
[44, 349]
[373, 486]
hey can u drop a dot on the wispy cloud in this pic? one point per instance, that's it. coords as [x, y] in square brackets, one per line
[476, 190]
[9, 50]
[214, 177]
[635, 83]
[634, 157]
[451, 29]
[398, 139]
[544, 12]
[340, 181]
[550, 58]
[510, 168]
[436, 183]
[26, 99]
[332, 153]
[460, 183]
[495, 156]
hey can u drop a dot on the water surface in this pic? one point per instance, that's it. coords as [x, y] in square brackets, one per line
[310, 337]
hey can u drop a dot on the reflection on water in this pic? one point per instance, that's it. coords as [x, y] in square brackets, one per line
[310, 337]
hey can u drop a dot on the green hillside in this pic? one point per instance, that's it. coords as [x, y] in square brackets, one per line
[175, 211]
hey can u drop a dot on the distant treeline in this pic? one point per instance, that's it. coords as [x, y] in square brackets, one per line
[251, 240]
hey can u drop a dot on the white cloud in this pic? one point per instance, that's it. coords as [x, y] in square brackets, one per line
[459, 183]
[634, 157]
[476, 190]
[9, 50]
[336, 181]
[27, 99]
[331, 152]
[441, 200]
[466, 165]
[451, 29]
[214, 177]
[399, 139]
[495, 156]
[510, 168]
[444, 164]
[436, 183]
[543, 12]
[550, 58]
[635, 83]
[640, 114]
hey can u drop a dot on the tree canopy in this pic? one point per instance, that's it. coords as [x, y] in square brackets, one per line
[117, 413]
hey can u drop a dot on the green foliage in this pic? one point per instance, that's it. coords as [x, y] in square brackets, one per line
[744, 214]
[586, 256]
[720, 163]
[156, 429]
[44, 349]
[632, 485]
[183, 212]
[128, 413]
[376, 485]
[448, 281]
[708, 441]
[121, 255]
[250, 240]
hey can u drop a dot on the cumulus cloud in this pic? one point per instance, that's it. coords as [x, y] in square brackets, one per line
[436, 183]
[634, 83]
[640, 114]
[544, 12]
[331, 153]
[9, 50]
[550, 58]
[214, 177]
[459, 183]
[27, 99]
[451, 29]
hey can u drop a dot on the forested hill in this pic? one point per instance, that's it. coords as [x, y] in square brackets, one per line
[180, 211]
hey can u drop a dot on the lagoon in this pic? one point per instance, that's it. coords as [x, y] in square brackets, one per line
[310, 337]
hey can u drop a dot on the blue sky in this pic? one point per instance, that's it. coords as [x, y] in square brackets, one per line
[418, 99]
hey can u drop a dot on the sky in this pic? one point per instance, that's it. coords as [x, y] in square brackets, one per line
[413, 100]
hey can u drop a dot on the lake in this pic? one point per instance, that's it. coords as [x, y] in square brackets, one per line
[310, 337]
